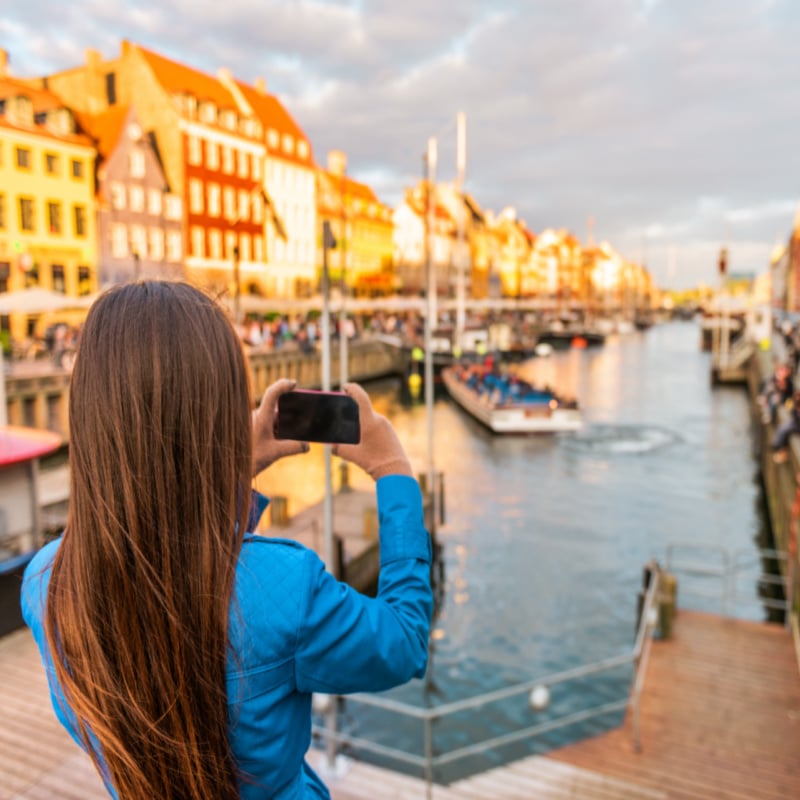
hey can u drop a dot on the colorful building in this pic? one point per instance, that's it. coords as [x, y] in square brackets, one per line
[139, 221]
[212, 155]
[47, 198]
[363, 229]
[290, 192]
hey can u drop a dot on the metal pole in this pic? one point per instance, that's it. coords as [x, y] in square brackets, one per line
[237, 306]
[343, 343]
[430, 317]
[461, 162]
[327, 506]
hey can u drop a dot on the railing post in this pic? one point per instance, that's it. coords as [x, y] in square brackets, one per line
[428, 758]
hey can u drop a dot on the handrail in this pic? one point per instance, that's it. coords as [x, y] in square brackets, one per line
[428, 761]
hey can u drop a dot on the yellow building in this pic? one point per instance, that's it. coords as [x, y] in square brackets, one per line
[47, 200]
[363, 229]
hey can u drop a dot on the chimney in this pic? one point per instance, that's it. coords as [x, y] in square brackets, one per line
[261, 85]
[337, 163]
[3, 63]
[93, 59]
[225, 75]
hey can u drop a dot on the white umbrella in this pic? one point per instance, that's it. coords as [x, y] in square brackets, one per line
[34, 300]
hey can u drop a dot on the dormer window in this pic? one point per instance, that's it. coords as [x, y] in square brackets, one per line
[229, 120]
[288, 143]
[208, 112]
[302, 148]
[273, 138]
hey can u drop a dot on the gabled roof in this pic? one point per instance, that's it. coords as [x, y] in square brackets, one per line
[344, 186]
[42, 99]
[272, 114]
[105, 128]
[179, 78]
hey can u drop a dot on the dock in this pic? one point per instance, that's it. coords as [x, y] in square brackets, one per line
[720, 721]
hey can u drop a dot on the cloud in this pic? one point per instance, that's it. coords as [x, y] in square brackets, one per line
[669, 122]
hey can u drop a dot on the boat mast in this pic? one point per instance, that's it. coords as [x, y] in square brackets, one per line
[461, 263]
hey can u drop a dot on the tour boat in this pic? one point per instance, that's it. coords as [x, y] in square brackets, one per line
[510, 405]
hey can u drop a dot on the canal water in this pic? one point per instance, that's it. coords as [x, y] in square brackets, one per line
[546, 537]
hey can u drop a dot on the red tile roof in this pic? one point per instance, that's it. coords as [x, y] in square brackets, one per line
[178, 78]
[273, 114]
[105, 128]
[42, 99]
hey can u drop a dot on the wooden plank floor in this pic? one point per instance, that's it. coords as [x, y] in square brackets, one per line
[720, 721]
[720, 716]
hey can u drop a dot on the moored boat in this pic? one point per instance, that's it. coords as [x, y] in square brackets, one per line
[505, 404]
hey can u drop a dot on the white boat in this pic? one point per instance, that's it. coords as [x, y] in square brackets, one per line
[529, 411]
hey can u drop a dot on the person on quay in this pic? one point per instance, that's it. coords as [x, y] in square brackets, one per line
[181, 649]
[787, 429]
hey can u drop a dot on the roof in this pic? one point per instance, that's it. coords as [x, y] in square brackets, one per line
[179, 78]
[273, 114]
[352, 190]
[42, 99]
[105, 128]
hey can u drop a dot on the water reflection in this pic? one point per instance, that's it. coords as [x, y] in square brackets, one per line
[545, 537]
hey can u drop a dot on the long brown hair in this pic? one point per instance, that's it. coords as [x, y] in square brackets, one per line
[138, 604]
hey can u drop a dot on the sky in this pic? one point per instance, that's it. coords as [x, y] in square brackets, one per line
[672, 124]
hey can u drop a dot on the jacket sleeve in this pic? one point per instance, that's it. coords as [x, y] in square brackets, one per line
[348, 642]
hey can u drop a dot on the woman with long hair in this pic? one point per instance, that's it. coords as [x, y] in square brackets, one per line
[181, 649]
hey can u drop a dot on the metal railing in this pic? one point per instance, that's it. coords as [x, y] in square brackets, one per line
[727, 570]
[428, 762]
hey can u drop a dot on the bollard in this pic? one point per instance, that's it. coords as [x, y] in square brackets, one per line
[279, 510]
[667, 604]
[370, 523]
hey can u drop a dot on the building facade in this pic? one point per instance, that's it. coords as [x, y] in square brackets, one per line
[139, 221]
[47, 199]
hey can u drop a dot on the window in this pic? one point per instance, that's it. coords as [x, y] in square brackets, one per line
[154, 201]
[50, 163]
[139, 241]
[258, 208]
[57, 274]
[302, 148]
[227, 160]
[244, 246]
[273, 138]
[212, 155]
[214, 199]
[172, 208]
[2, 212]
[174, 246]
[243, 171]
[76, 168]
[156, 243]
[256, 168]
[111, 88]
[5, 274]
[54, 217]
[119, 241]
[23, 158]
[230, 244]
[208, 112]
[137, 165]
[198, 242]
[26, 213]
[244, 204]
[79, 213]
[137, 198]
[215, 243]
[195, 196]
[288, 143]
[229, 200]
[84, 280]
[195, 151]
[258, 244]
[117, 192]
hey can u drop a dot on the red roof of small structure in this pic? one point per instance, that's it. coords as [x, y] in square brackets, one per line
[18, 444]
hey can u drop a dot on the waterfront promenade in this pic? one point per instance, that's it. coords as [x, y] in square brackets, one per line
[720, 721]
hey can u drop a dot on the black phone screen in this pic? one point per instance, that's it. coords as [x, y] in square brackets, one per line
[308, 416]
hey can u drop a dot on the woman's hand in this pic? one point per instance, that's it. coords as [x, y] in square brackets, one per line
[266, 448]
[379, 452]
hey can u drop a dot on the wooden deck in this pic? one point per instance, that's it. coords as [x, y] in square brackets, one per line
[720, 721]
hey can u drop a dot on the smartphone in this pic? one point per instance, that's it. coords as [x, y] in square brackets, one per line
[311, 416]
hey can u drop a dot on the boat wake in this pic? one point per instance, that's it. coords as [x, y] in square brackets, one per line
[621, 439]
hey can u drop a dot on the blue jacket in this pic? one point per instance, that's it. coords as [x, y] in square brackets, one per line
[296, 630]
